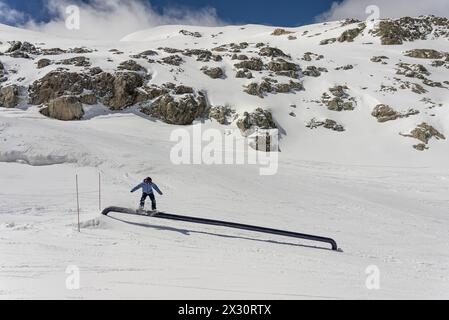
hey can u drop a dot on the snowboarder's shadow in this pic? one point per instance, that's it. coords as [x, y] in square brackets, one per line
[187, 232]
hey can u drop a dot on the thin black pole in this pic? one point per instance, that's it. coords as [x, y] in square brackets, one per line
[99, 191]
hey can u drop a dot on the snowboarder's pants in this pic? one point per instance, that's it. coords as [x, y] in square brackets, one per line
[153, 200]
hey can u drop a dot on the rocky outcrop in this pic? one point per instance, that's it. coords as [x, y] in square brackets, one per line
[3, 77]
[244, 73]
[272, 52]
[42, 63]
[327, 41]
[341, 101]
[202, 55]
[385, 113]
[270, 86]
[280, 32]
[66, 108]
[173, 60]
[20, 49]
[254, 64]
[327, 124]
[223, 115]
[180, 111]
[131, 65]
[412, 70]
[214, 73]
[76, 61]
[424, 54]
[190, 33]
[312, 71]
[116, 91]
[395, 32]
[379, 59]
[9, 96]
[424, 132]
[351, 34]
[309, 56]
[259, 119]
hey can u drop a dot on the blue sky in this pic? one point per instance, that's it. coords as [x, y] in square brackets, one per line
[273, 12]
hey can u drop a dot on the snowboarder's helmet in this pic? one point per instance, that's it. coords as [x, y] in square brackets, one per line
[148, 179]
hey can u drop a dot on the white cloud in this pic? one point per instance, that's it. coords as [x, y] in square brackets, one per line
[113, 19]
[387, 9]
[9, 15]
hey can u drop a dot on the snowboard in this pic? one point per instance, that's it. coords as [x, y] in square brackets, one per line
[150, 213]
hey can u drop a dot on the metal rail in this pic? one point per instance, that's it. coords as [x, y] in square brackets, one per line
[233, 225]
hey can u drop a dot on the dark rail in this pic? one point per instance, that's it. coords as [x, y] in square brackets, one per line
[234, 225]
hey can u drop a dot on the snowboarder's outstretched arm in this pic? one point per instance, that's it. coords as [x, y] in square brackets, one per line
[137, 187]
[157, 189]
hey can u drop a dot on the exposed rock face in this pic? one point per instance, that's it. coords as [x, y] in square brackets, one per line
[214, 73]
[20, 49]
[424, 132]
[309, 56]
[267, 86]
[117, 91]
[174, 60]
[202, 55]
[327, 124]
[182, 111]
[280, 32]
[379, 59]
[76, 61]
[131, 65]
[346, 67]
[385, 113]
[56, 84]
[312, 71]
[66, 108]
[272, 52]
[412, 70]
[2, 73]
[191, 34]
[327, 41]
[9, 96]
[254, 64]
[260, 118]
[42, 63]
[223, 115]
[351, 34]
[182, 90]
[395, 32]
[145, 54]
[424, 54]
[123, 93]
[244, 73]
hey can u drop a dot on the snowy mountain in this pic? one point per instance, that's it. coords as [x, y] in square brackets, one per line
[362, 115]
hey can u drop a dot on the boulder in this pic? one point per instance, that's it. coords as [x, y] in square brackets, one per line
[9, 96]
[424, 54]
[214, 73]
[42, 63]
[350, 35]
[66, 108]
[424, 132]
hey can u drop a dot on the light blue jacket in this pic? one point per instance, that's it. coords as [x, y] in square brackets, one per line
[147, 188]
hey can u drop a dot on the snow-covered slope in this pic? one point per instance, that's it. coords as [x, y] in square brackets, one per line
[383, 201]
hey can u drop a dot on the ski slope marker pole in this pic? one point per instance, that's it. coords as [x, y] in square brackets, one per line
[99, 191]
[78, 203]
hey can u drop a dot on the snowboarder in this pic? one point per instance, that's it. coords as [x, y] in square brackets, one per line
[147, 187]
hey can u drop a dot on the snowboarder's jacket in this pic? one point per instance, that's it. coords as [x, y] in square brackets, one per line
[147, 188]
